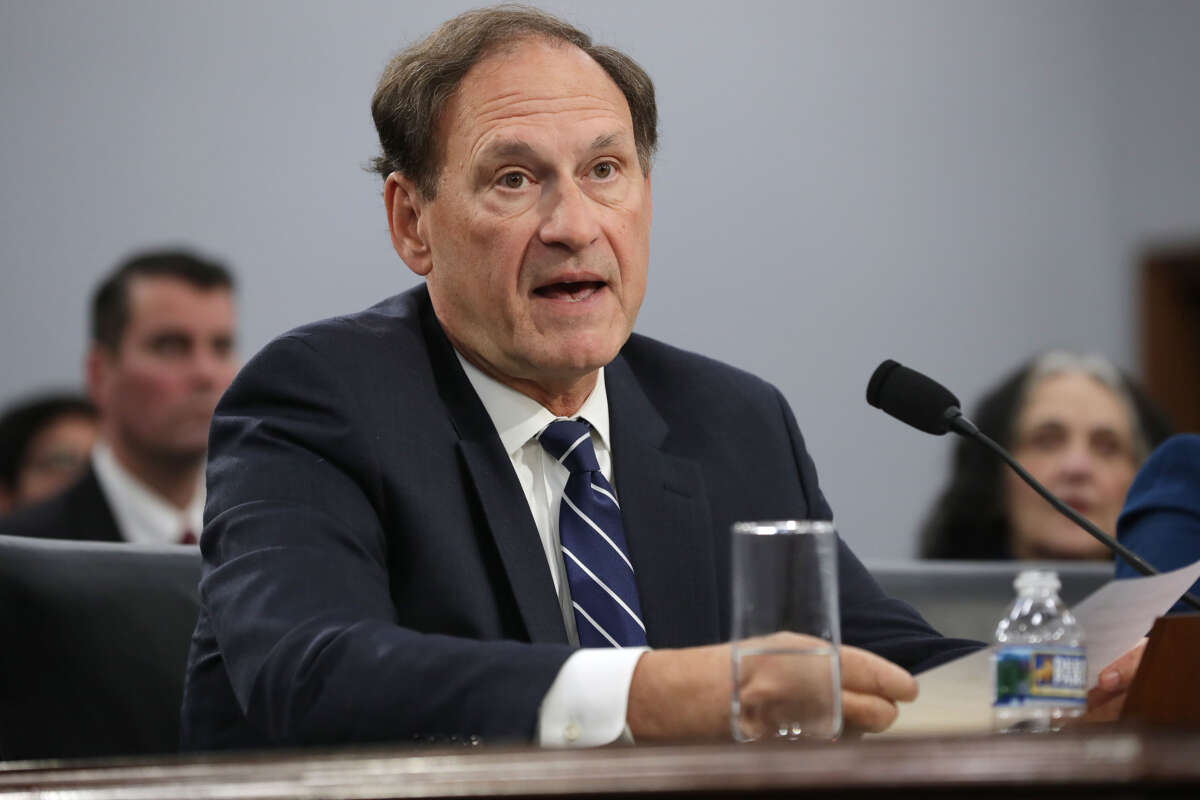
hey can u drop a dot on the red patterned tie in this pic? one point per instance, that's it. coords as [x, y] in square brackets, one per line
[187, 538]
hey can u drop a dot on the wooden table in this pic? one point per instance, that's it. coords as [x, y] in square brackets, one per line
[1098, 762]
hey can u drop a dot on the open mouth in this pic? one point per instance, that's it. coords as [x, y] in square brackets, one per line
[569, 291]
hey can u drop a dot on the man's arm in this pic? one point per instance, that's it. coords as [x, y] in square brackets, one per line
[685, 694]
[296, 582]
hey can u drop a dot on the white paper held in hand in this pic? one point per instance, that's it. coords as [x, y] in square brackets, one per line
[957, 697]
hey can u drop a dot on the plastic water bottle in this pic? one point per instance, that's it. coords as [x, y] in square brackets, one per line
[1039, 671]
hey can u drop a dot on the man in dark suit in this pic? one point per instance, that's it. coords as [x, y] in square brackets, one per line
[394, 547]
[162, 353]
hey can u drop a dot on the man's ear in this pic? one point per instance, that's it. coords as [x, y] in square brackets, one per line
[404, 208]
[649, 196]
[96, 368]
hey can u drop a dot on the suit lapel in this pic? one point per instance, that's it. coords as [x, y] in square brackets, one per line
[504, 506]
[91, 517]
[666, 517]
[663, 507]
[516, 538]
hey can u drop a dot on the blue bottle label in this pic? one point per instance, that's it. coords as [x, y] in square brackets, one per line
[1034, 674]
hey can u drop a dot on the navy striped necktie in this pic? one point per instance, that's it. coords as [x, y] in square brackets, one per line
[603, 592]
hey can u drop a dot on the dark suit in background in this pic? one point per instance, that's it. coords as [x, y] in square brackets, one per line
[81, 511]
[1161, 518]
[372, 571]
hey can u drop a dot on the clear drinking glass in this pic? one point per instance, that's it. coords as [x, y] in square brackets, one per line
[785, 579]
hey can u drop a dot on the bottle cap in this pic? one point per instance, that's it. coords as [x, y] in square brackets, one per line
[1029, 579]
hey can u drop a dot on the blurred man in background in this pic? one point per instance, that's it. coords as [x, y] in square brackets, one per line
[161, 355]
[45, 443]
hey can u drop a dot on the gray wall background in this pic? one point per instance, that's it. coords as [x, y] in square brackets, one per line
[952, 184]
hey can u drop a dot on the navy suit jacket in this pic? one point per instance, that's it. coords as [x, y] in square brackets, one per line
[81, 511]
[372, 570]
[1161, 518]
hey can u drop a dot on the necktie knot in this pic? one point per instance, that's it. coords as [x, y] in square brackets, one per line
[569, 441]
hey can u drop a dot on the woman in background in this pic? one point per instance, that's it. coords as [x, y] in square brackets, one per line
[1079, 426]
[45, 443]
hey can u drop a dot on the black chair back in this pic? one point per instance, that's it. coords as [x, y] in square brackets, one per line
[93, 644]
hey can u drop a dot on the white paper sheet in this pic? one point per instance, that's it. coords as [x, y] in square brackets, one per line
[957, 697]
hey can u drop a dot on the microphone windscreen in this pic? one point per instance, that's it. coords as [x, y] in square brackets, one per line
[911, 397]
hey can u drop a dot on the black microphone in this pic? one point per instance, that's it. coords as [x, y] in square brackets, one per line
[922, 402]
[912, 397]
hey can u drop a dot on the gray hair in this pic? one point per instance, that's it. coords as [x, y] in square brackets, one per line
[1099, 369]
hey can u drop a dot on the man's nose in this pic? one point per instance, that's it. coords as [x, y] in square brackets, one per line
[570, 219]
[208, 367]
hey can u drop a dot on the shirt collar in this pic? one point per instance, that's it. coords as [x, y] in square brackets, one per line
[519, 418]
[142, 514]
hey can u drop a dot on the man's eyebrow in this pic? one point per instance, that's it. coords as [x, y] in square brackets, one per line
[169, 332]
[517, 148]
[605, 141]
[509, 148]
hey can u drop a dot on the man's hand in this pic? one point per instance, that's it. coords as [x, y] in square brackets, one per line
[685, 694]
[1106, 699]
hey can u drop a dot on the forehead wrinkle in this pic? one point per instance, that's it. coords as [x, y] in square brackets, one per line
[492, 143]
[519, 81]
[527, 106]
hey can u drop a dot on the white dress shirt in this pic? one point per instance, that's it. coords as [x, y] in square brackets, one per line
[142, 515]
[586, 704]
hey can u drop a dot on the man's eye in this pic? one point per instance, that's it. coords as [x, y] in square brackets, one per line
[512, 180]
[223, 346]
[170, 346]
[604, 169]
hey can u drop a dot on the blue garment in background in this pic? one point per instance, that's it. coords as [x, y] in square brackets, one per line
[1161, 518]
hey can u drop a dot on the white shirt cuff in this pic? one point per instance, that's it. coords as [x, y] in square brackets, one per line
[585, 706]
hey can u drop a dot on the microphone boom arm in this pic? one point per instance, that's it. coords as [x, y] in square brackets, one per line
[964, 427]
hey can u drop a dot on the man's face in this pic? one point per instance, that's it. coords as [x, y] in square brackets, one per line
[538, 239]
[157, 393]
